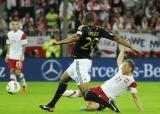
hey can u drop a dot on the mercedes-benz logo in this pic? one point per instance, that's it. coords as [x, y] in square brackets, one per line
[51, 70]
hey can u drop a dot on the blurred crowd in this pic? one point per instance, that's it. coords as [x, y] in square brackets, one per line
[43, 16]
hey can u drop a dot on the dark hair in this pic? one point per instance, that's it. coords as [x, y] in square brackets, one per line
[89, 17]
[131, 63]
[15, 19]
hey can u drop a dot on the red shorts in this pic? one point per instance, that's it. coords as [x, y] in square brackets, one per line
[15, 64]
[100, 92]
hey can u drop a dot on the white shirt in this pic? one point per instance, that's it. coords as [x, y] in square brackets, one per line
[118, 85]
[16, 40]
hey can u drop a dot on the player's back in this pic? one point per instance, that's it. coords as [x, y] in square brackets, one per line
[117, 85]
[89, 37]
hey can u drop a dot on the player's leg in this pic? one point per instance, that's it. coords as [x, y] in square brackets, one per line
[60, 90]
[18, 72]
[23, 80]
[11, 66]
[92, 96]
[72, 93]
[12, 75]
[82, 77]
[91, 106]
[65, 78]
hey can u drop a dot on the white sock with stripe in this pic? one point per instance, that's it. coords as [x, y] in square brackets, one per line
[13, 77]
[22, 79]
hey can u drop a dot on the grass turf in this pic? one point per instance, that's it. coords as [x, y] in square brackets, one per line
[42, 92]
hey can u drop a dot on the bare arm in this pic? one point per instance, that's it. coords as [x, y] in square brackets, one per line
[68, 40]
[23, 52]
[126, 43]
[121, 55]
[8, 49]
[123, 42]
[7, 53]
[137, 101]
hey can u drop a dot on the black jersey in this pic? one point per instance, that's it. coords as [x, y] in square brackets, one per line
[89, 37]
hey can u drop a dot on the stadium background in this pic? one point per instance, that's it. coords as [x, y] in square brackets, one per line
[135, 20]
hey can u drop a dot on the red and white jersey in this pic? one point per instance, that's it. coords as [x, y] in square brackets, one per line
[119, 84]
[16, 40]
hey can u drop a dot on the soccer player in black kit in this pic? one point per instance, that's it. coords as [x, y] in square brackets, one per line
[86, 38]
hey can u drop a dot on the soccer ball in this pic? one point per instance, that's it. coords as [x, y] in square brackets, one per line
[13, 87]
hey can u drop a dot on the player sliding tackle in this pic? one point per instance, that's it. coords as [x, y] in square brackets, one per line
[122, 82]
[86, 38]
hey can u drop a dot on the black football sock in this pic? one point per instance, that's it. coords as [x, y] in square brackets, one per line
[61, 89]
[90, 96]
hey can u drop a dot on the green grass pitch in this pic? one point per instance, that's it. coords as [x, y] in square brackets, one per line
[42, 92]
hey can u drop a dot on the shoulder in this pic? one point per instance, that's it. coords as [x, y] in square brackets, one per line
[10, 32]
[80, 30]
[20, 31]
[133, 83]
[133, 86]
[81, 27]
[100, 28]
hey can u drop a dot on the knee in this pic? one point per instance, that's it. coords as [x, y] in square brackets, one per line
[92, 106]
[84, 93]
[64, 78]
[12, 71]
[18, 72]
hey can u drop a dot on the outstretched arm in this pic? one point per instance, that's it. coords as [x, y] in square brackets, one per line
[137, 101]
[73, 38]
[126, 43]
[121, 55]
[122, 42]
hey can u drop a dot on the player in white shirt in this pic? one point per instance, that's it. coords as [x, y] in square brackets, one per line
[15, 53]
[122, 82]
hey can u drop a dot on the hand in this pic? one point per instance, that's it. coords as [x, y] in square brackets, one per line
[136, 52]
[56, 43]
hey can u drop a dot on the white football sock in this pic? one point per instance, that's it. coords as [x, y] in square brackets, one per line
[22, 79]
[72, 93]
[13, 77]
